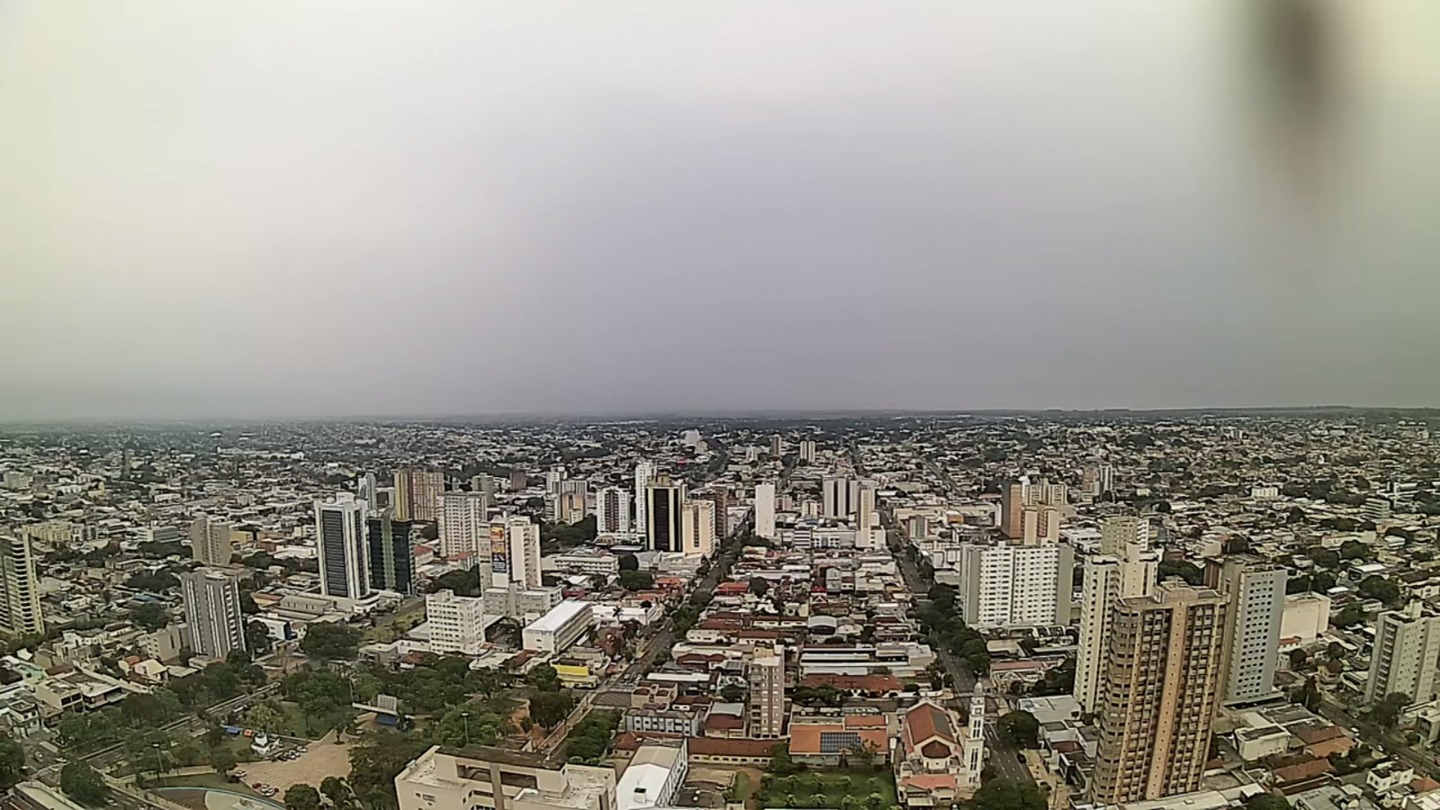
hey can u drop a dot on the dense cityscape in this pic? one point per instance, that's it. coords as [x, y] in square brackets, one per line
[997, 611]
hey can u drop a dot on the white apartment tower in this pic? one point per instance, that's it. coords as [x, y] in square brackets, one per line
[456, 623]
[1407, 643]
[1107, 579]
[1016, 586]
[644, 471]
[210, 541]
[612, 511]
[20, 611]
[841, 497]
[765, 511]
[514, 553]
[807, 452]
[974, 743]
[212, 612]
[1252, 628]
[697, 531]
[464, 523]
[340, 547]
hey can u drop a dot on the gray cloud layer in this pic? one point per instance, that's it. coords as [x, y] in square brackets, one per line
[332, 208]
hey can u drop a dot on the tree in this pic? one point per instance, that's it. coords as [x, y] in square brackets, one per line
[759, 586]
[732, 693]
[265, 717]
[1002, 794]
[628, 562]
[1386, 711]
[81, 783]
[12, 763]
[637, 580]
[1266, 801]
[151, 616]
[461, 583]
[331, 642]
[780, 762]
[1020, 728]
[1335, 651]
[544, 678]
[257, 638]
[302, 797]
[222, 759]
[1298, 659]
[1378, 587]
[549, 709]
[335, 789]
[1352, 615]
[1324, 557]
[1354, 550]
[375, 764]
[1188, 571]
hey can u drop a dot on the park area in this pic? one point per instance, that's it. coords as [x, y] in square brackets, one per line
[853, 789]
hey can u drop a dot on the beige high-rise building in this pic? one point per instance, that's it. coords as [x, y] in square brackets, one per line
[417, 494]
[698, 530]
[1116, 533]
[210, 541]
[1032, 512]
[1107, 580]
[20, 611]
[1161, 688]
[766, 673]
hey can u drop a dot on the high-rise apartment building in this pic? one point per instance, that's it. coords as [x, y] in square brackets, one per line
[765, 672]
[1005, 586]
[612, 511]
[210, 541]
[1407, 643]
[392, 553]
[341, 549]
[721, 498]
[1256, 591]
[519, 480]
[1107, 580]
[514, 552]
[456, 623]
[554, 477]
[1117, 533]
[807, 452]
[644, 471]
[840, 497]
[417, 494]
[777, 446]
[212, 612]
[866, 534]
[698, 529]
[1160, 692]
[367, 489]
[464, 523]
[664, 501]
[765, 511]
[20, 611]
[1032, 512]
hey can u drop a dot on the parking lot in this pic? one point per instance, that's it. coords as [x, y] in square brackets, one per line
[324, 758]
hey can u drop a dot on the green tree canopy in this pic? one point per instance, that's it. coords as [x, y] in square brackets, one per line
[1003, 794]
[1020, 728]
[12, 763]
[543, 678]
[81, 783]
[331, 642]
[302, 797]
[549, 709]
[150, 615]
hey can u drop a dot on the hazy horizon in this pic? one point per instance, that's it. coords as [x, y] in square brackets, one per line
[334, 209]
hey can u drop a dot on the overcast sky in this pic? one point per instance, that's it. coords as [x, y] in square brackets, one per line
[355, 208]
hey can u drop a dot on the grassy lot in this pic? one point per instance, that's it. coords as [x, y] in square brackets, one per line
[865, 790]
